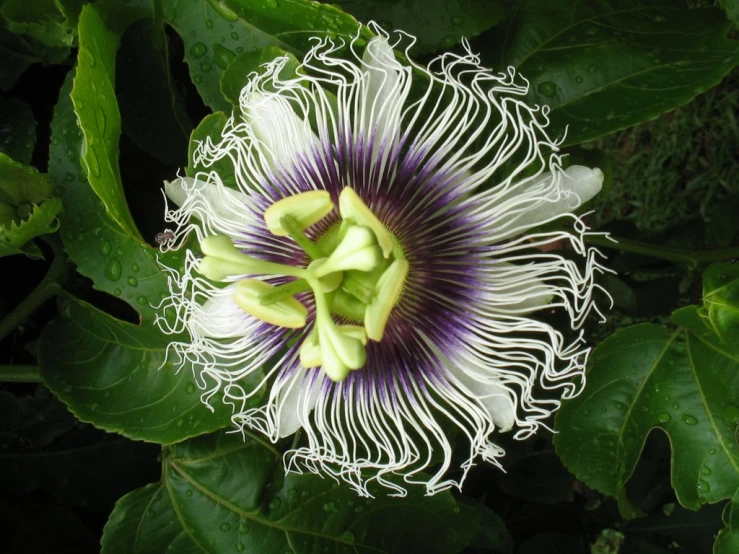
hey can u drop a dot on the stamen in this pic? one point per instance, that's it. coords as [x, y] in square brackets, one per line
[224, 260]
[387, 293]
[306, 208]
[287, 312]
[358, 250]
[285, 291]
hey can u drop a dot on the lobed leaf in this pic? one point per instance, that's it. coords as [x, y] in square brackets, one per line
[643, 378]
[51, 22]
[222, 492]
[607, 65]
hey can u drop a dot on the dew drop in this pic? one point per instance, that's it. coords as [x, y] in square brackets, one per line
[578, 79]
[711, 450]
[100, 117]
[689, 420]
[456, 20]
[222, 56]
[240, 546]
[205, 66]
[105, 247]
[225, 527]
[209, 23]
[660, 18]
[235, 35]
[117, 292]
[92, 163]
[359, 509]
[175, 406]
[87, 56]
[198, 79]
[676, 406]
[142, 300]
[113, 269]
[275, 503]
[243, 529]
[188, 492]
[619, 405]
[190, 388]
[69, 177]
[198, 50]
[329, 507]
[132, 281]
[703, 486]
[348, 536]
[150, 513]
[135, 268]
[93, 406]
[706, 471]
[664, 418]
[547, 88]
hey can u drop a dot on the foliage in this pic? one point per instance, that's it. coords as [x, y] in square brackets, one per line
[102, 101]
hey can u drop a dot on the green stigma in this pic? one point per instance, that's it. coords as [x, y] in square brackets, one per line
[357, 272]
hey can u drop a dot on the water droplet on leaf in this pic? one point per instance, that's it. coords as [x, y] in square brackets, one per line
[547, 88]
[198, 50]
[113, 269]
[689, 419]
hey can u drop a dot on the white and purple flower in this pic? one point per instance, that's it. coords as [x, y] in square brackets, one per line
[379, 260]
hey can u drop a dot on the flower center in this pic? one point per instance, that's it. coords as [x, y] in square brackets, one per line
[357, 272]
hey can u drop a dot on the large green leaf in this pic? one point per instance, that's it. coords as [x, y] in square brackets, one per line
[17, 130]
[93, 95]
[215, 31]
[607, 65]
[727, 541]
[51, 22]
[646, 377]
[221, 493]
[152, 111]
[437, 24]
[116, 262]
[118, 377]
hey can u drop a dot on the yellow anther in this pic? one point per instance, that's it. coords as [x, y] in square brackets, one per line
[387, 292]
[287, 312]
[306, 209]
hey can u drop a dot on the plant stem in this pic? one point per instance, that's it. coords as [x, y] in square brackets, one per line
[20, 374]
[692, 258]
[49, 287]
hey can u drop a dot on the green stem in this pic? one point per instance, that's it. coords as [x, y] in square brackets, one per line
[296, 233]
[692, 258]
[49, 287]
[20, 374]
[285, 291]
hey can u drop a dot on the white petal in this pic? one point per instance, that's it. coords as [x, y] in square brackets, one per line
[219, 207]
[220, 317]
[299, 399]
[538, 200]
[283, 134]
[385, 95]
[492, 394]
[516, 289]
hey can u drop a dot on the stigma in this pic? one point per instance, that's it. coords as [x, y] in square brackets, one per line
[356, 273]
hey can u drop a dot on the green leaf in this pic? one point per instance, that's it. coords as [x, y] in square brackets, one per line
[221, 493]
[116, 262]
[17, 53]
[152, 110]
[219, 30]
[51, 22]
[237, 72]
[93, 96]
[17, 130]
[437, 24]
[605, 66]
[727, 541]
[118, 377]
[644, 377]
[720, 308]
[42, 219]
[22, 184]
